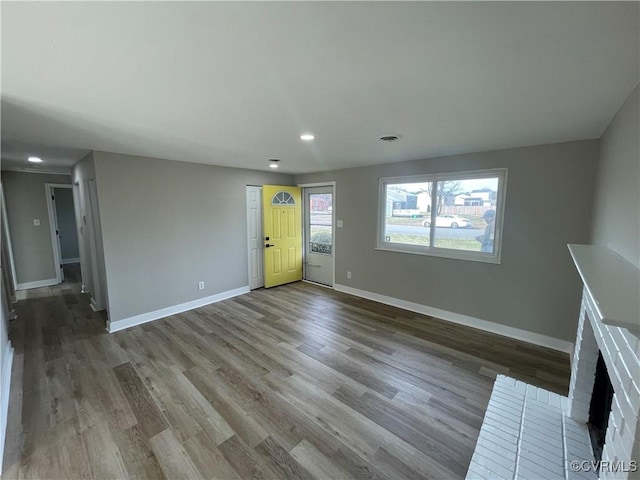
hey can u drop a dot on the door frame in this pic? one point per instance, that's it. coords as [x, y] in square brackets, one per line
[5, 222]
[99, 293]
[333, 228]
[81, 233]
[53, 227]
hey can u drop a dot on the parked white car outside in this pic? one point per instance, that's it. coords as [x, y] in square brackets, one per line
[449, 221]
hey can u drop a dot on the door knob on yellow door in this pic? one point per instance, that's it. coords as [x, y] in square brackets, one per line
[267, 245]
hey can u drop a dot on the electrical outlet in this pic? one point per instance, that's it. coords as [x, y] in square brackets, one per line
[200, 285]
[348, 274]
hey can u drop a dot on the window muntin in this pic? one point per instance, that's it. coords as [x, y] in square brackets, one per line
[283, 198]
[442, 215]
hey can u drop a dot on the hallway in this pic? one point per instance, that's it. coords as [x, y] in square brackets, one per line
[50, 319]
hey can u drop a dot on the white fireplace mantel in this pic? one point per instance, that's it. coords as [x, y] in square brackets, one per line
[613, 284]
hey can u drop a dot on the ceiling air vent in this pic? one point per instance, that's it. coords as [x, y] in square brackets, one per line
[389, 138]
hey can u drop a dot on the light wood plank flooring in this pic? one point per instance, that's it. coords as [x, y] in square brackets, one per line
[293, 382]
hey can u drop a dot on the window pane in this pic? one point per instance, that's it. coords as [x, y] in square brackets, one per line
[407, 207]
[320, 223]
[466, 214]
[283, 198]
[321, 240]
[321, 208]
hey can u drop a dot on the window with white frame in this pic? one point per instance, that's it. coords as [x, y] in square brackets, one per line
[454, 215]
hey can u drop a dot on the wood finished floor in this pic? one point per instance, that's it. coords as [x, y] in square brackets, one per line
[293, 382]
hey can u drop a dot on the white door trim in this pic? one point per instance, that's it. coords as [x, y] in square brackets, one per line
[53, 227]
[99, 295]
[318, 184]
[334, 223]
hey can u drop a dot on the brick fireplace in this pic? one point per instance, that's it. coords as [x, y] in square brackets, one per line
[529, 432]
[620, 350]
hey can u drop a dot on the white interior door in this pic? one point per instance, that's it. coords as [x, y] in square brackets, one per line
[56, 235]
[318, 234]
[254, 237]
[53, 225]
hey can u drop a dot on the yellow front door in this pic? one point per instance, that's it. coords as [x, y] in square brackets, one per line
[282, 221]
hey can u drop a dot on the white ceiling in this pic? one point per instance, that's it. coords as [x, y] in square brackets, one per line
[236, 83]
[58, 159]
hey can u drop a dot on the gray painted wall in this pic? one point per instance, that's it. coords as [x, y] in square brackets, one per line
[66, 223]
[548, 204]
[616, 215]
[168, 225]
[26, 200]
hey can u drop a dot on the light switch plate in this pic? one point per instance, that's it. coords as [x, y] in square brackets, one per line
[36, 222]
[339, 223]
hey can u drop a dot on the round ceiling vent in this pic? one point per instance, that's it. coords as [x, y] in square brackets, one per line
[389, 138]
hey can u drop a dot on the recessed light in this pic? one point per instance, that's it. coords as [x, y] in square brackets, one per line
[34, 159]
[273, 165]
[273, 162]
[307, 137]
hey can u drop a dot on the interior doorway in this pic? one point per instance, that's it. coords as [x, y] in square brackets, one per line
[62, 222]
[319, 229]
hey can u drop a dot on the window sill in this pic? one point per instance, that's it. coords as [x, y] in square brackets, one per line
[444, 253]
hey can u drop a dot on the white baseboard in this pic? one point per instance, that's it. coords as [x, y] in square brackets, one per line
[71, 260]
[4, 398]
[114, 326]
[94, 305]
[37, 284]
[492, 327]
